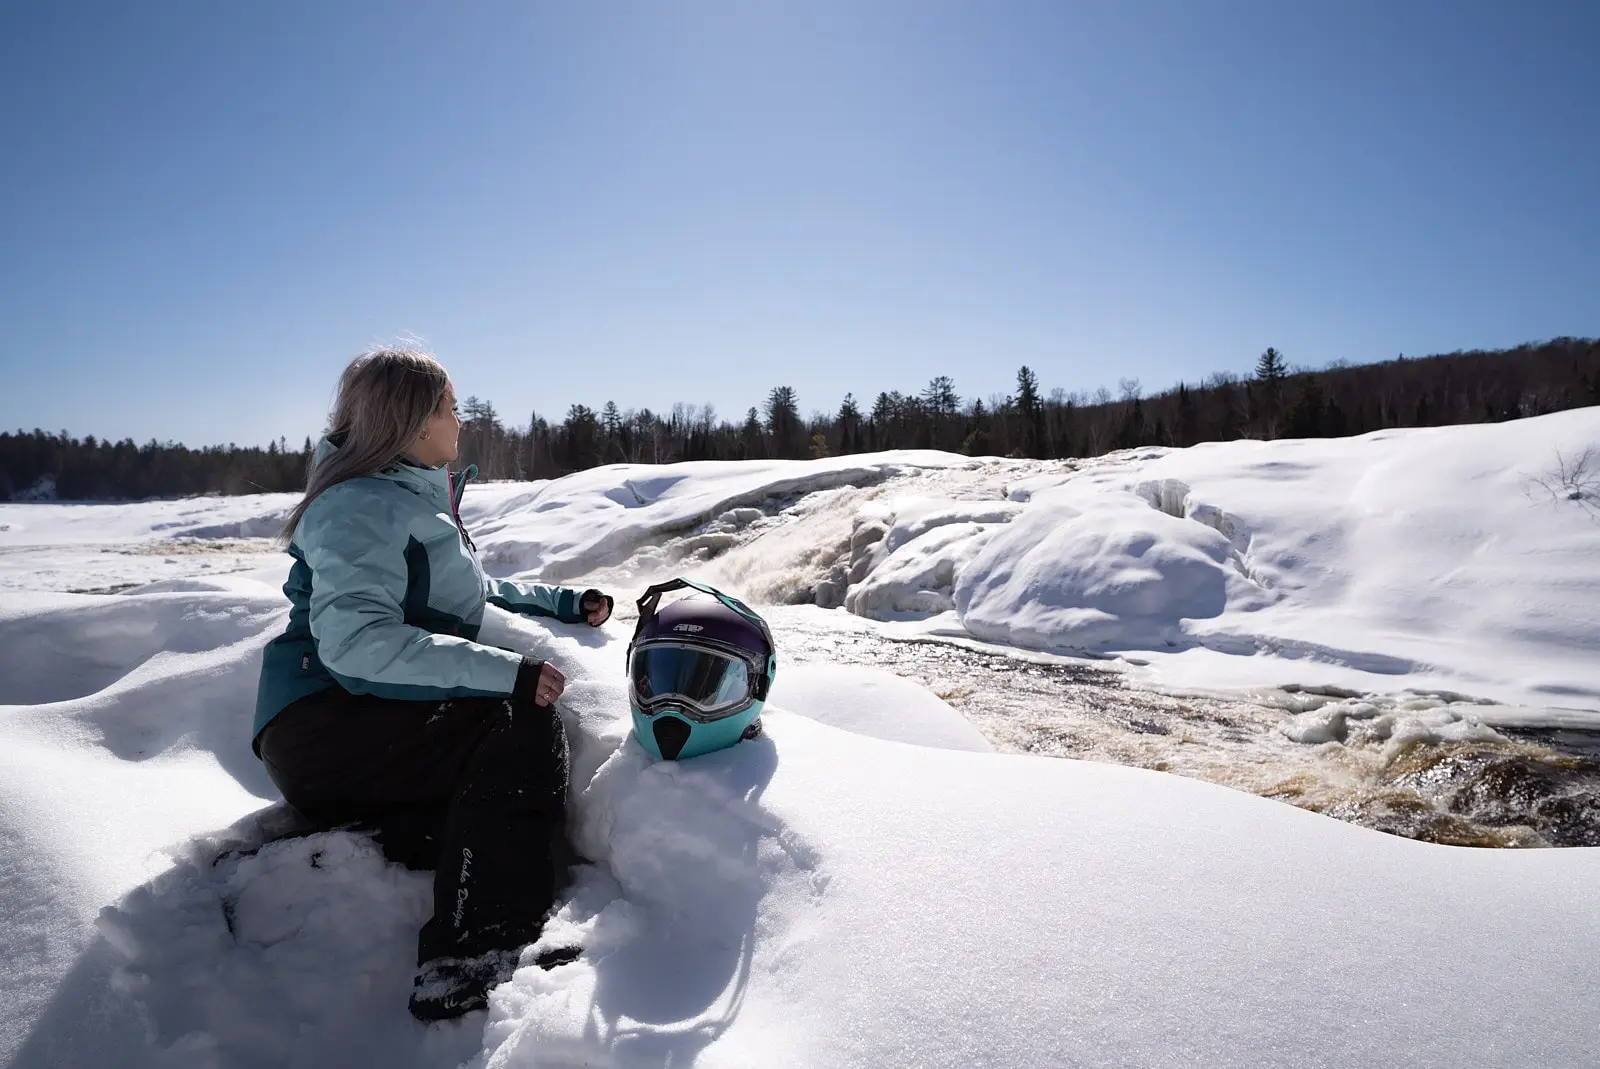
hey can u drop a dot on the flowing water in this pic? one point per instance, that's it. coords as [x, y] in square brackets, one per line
[1395, 769]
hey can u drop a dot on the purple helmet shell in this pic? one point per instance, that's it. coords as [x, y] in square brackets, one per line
[701, 618]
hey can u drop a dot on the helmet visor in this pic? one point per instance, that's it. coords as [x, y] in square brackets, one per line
[708, 684]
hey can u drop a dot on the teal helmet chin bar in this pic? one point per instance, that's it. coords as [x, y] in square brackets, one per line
[699, 671]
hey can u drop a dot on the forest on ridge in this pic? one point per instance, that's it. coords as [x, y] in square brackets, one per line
[1275, 401]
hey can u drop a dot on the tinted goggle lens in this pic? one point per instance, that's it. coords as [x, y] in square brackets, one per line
[709, 681]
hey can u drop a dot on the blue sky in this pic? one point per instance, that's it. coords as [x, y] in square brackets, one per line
[206, 209]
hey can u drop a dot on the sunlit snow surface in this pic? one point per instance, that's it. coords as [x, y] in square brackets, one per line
[834, 894]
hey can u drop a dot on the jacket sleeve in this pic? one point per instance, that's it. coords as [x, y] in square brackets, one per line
[358, 587]
[535, 599]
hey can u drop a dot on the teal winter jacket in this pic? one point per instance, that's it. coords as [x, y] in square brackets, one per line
[387, 597]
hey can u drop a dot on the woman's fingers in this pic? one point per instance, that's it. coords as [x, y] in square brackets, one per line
[596, 607]
[551, 683]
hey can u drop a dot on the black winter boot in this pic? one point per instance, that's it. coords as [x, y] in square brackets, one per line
[450, 987]
[446, 988]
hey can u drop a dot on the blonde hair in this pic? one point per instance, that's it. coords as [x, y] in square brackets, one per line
[386, 397]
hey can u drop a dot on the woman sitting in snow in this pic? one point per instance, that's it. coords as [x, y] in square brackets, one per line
[388, 702]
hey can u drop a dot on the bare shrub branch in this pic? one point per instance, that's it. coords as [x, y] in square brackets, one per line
[1575, 479]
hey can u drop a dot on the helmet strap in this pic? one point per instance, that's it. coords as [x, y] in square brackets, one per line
[652, 598]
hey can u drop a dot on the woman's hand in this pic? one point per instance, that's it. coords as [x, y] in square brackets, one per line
[539, 682]
[550, 686]
[596, 607]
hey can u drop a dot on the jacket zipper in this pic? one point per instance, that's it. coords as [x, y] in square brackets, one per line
[455, 508]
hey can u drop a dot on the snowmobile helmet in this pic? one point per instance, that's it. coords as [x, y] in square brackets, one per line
[699, 671]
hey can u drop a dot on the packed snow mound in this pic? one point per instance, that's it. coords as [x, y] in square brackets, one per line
[247, 516]
[1431, 554]
[920, 576]
[57, 647]
[124, 728]
[873, 702]
[307, 946]
[1117, 574]
[1419, 552]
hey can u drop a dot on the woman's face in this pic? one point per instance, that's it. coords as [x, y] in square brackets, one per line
[440, 439]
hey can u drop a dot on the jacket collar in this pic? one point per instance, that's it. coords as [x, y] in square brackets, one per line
[436, 484]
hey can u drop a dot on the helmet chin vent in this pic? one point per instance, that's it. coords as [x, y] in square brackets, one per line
[670, 734]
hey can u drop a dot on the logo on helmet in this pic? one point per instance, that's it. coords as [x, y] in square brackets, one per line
[688, 627]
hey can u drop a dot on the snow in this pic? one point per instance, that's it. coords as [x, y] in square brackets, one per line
[823, 899]
[253, 515]
[1412, 558]
[1119, 575]
[598, 518]
[865, 884]
[870, 701]
[107, 548]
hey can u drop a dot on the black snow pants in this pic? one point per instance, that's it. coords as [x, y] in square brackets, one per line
[474, 788]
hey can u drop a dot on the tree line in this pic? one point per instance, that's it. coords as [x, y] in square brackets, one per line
[1275, 401]
[93, 469]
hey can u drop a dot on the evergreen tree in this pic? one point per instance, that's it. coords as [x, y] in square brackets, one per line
[1306, 417]
[1270, 367]
[940, 398]
[751, 442]
[1188, 418]
[849, 419]
[783, 423]
[940, 407]
[976, 441]
[1031, 412]
[1266, 394]
[582, 430]
[885, 415]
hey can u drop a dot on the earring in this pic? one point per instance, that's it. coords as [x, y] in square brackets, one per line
[424, 436]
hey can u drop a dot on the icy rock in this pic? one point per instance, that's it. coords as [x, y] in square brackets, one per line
[830, 592]
[915, 518]
[1432, 726]
[920, 576]
[740, 517]
[864, 539]
[1318, 726]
